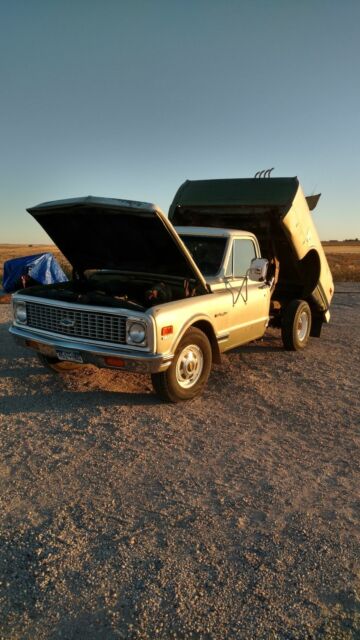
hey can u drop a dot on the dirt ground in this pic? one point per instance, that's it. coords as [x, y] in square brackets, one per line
[233, 516]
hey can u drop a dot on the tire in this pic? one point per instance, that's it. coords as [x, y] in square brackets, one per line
[296, 325]
[59, 366]
[189, 371]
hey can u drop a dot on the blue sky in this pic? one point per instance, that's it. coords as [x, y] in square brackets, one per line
[129, 99]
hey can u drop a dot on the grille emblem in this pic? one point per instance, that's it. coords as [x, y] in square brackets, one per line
[67, 322]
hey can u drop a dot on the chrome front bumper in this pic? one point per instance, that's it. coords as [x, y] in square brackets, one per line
[93, 353]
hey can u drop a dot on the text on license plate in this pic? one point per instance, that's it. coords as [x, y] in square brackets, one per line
[71, 356]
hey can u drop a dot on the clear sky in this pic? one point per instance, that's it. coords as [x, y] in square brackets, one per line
[130, 98]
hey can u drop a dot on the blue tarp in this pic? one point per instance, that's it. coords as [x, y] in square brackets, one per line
[43, 268]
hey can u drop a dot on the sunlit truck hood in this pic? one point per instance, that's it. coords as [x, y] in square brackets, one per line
[107, 233]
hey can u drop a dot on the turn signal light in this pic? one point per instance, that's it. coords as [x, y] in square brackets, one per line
[166, 331]
[114, 362]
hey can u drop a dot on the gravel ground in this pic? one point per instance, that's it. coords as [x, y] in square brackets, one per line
[233, 516]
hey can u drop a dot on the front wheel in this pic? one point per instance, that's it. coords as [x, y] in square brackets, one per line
[189, 370]
[296, 325]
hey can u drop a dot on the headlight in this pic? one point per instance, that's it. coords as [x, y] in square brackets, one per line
[20, 312]
[136, 333]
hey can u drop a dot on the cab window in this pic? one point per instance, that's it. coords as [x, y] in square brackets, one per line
[207, 251]
[243, 252]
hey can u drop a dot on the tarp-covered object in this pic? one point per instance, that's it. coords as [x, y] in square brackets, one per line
[42, 267]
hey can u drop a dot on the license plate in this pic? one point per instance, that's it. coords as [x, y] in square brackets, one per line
[70, 356]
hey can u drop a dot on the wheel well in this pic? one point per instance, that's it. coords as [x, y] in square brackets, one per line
[311, 267]
[206, 328]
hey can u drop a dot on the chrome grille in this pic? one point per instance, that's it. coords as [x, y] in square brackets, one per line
[104, 327]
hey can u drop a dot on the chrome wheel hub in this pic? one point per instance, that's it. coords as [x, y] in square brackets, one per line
[189, 366]
[302, 325]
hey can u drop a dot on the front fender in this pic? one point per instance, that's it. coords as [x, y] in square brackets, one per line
[195, 320]
[181, 315]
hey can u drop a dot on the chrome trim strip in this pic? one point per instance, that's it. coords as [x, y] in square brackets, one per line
[79, 307]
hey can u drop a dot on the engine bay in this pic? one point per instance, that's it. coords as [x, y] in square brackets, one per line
[111, 289]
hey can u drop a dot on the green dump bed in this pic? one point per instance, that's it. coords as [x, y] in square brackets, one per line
[277, 212]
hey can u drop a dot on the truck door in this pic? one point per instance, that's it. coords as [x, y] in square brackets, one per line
[250, 300]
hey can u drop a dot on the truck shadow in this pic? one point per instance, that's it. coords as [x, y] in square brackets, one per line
[29, 387]
[268, 344]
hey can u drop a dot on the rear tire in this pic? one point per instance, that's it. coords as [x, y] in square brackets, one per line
[296, 325]
[189, 371]
[59, 366]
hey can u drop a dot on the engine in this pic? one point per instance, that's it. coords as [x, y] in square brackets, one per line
[115, 290]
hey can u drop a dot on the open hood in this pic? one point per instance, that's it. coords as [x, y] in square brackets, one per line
[107, 233]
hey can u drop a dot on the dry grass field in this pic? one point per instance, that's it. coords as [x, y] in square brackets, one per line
[344, 260]
[343, 257]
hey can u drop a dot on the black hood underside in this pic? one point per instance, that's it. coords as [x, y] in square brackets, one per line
[123, 235]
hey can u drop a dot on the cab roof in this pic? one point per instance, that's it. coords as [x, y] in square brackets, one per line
[216, 232]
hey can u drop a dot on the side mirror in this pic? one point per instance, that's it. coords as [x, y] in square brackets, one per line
[258, 269]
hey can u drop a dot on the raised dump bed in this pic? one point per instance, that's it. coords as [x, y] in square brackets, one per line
[278, 213]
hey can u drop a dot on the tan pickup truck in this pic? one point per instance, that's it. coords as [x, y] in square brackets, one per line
[169, 295]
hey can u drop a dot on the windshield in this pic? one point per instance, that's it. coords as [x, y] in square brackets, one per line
[208, 252]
